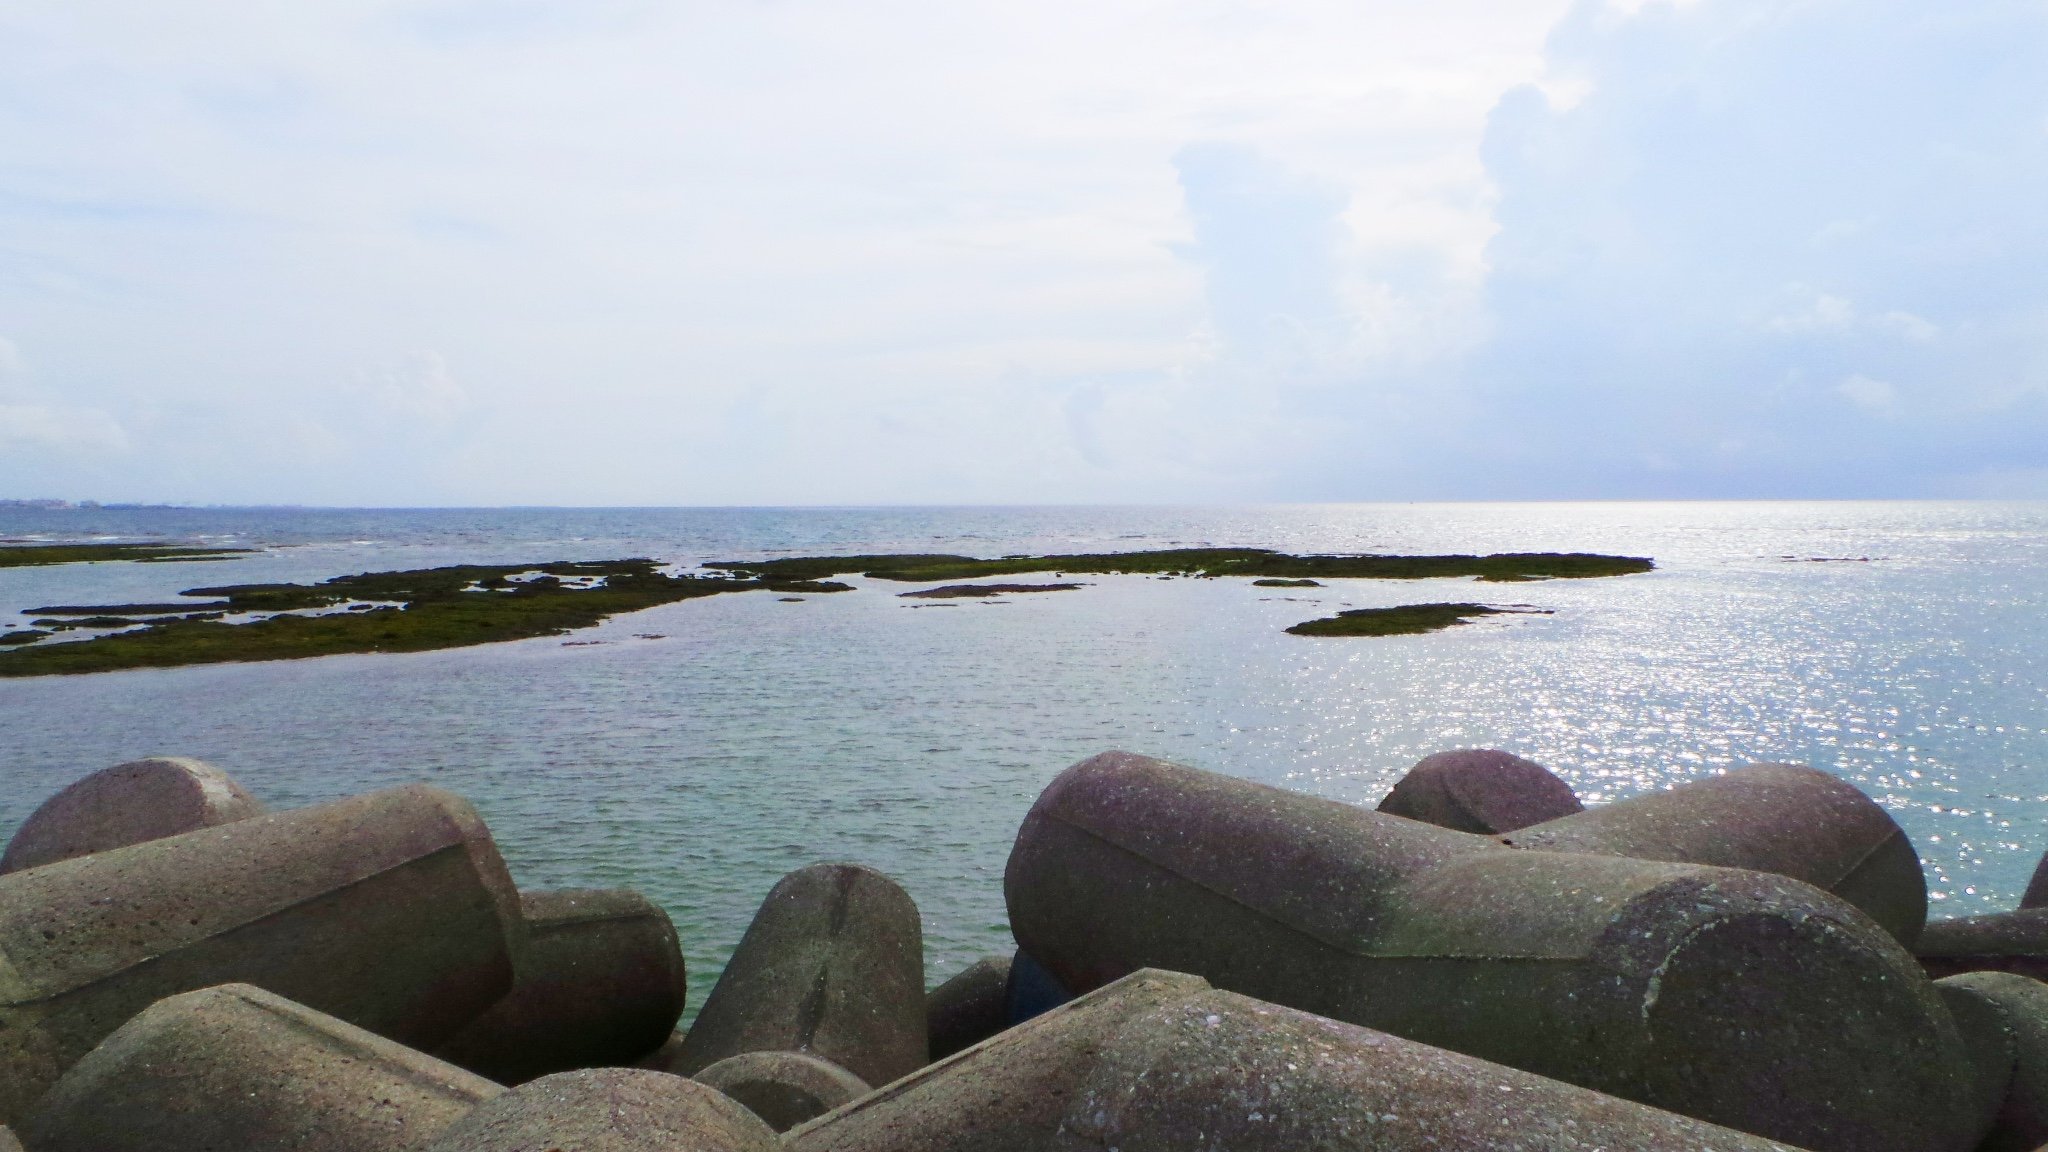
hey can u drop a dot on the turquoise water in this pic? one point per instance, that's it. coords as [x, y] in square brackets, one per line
[756, 736]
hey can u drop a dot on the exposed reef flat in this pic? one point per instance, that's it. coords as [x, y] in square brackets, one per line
[955, 591]
[1401, 620]
[920, 567]
[1277, 583]
[29, 555]
[412, 611]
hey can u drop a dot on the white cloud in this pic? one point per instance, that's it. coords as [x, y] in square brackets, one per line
[1873, 396]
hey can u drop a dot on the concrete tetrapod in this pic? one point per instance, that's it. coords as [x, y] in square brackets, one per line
[1482, 790]
[2022, 1006]
[1787, 819]
[1994, 942]
[783, 1088]
[128, 804]
[1747, 999]
[237, 1067]
[968, 1008]
[602, 983]
[608, 1110]
[832, 965]
[7, 1141]
[391, 911]
[1161, 1062]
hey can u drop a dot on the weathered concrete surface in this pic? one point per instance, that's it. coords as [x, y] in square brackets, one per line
[7, 1141]
[968, 1008]
[608, 1110]
[832, 965]
[1748, 999]
[128, 804]
[1988, 1040]
[602, 983]
[391, 911]
[1787, 819]
[1481, 790]
[783, 1088]
[2022, 1006]
[235, 1067]
[1160, 1062]
[2036, 895]
[1996, 942]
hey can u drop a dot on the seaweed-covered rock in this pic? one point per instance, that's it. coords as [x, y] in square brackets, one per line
[783, 1088]
[392, 911]
[608, 1110]
[1161, 1062]
[237, 1067]
[128, 804]
[1483, 790]
[602, 982]
[832, 965]
[1610, 972]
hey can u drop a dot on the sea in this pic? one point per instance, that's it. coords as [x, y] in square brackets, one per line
[698, 751]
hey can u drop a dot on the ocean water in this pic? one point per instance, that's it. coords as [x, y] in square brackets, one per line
[703, 749]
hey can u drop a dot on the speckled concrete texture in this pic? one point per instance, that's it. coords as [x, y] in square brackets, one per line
[7, 1141]
[2022, 1005]
[608, 1110]
[1995, 942]
[969, 1007]
[1786, 819]
[783, 1088]
[128, 804]
[1482, 790]
[1160, 1061]
[1744, 998]
[235, 1067]
[602, 983]
[392, 911]
[832, 965]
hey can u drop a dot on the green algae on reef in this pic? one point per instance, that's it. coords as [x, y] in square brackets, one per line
[22, 637]
[1502, 567]
[1278, 583]
[955, 591]
[1401, 620]
[29, 555]
[412, 611]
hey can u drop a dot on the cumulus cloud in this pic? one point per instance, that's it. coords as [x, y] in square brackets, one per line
[1774, 247]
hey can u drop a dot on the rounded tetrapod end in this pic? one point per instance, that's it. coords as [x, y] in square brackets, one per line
[833, 965]
[1482, 790]
[783, 1088]
[128, 804]
[2022, 1123]
[1740, 1007]
[2036, 895]
[608, 1110]
[968, 1008]
[602, 983]
[1992, 1047]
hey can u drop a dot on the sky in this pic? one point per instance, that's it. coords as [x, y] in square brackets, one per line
[481, 252]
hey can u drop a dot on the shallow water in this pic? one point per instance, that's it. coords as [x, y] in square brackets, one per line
[755, 736]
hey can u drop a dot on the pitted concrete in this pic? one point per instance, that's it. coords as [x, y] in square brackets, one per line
[783, 1088]
[235, 1067]
[608, 1110]
[2021, 1005]
[1160, 1062]
[832, 965]
[392, 911]
[1606, 971]
[602, 983]
[1481, 790]
[128, 804]
[968, 1008]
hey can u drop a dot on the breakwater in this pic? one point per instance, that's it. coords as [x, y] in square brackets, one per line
[1739, 963]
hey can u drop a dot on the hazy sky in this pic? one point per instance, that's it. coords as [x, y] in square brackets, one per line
[786, 251]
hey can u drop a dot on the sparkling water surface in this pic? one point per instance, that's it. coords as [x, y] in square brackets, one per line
[705, 748]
